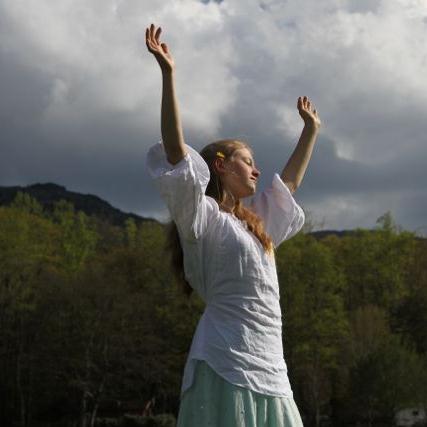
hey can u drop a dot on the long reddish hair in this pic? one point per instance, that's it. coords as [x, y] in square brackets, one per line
[216, 190]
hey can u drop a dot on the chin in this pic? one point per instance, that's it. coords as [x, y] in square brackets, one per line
[248, 192]
[252, 191]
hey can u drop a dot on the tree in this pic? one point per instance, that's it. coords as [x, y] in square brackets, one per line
[385, 380]
[78, 240]
[376, 264]
[27, 249]
[315, 324]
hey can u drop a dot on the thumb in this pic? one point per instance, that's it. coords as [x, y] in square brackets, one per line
[165, 48]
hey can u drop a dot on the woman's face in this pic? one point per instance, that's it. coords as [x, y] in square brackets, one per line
[239, 174]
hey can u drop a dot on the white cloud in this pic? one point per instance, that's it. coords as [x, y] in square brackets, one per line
[95, 55]
[86, 81]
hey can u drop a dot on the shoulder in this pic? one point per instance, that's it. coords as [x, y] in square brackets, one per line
[212, 207]
[156, 159]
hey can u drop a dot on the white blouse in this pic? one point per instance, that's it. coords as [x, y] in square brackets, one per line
[240, 332]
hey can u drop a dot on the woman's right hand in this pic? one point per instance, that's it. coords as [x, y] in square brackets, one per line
[159, 50]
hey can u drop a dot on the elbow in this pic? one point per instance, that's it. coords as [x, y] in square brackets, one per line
[291, 184]
[174, 157]
[292, 187]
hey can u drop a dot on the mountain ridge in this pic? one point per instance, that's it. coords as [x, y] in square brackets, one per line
[47, 194]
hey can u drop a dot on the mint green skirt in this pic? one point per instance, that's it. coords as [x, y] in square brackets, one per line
[211, 401]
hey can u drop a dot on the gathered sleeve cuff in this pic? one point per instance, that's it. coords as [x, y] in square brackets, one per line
[282, 215]
[182, 186]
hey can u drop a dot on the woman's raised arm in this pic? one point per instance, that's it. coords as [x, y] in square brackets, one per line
[172, 134]
[294, 170]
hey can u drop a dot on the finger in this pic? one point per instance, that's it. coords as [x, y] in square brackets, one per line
[147, 35]
[315, 112]
[157, 35]
[308, 105]
[150, 47]
[153, 35]
[147, 38]
[299, 104]
[165, 47]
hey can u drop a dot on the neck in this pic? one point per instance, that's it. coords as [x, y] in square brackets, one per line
[229, 203]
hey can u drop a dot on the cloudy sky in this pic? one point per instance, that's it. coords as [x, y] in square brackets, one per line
[80, 97]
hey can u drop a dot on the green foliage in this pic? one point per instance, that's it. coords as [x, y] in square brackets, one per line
[90, 317]
[410, 319]
[369, 330]
[387, 224]
[315, 323]
[389, 378]
[376, 265]
[27, 246]
[25, 203]
[131, 232]
[78, 240]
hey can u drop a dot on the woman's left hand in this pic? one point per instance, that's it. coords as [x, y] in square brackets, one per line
[309, 115]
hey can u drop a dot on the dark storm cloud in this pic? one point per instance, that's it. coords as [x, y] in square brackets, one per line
[80, 97]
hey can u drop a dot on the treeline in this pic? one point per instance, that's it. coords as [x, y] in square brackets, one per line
[92, 326]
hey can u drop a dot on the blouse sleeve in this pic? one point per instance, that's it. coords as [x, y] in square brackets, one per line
[282, 216]
[182, 186]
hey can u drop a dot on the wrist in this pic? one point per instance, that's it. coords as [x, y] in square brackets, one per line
[168, 72]
[312, 126]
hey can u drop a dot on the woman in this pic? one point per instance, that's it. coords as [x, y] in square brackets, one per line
[235, 373]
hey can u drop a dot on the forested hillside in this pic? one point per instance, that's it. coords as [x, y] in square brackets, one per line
[92, 325]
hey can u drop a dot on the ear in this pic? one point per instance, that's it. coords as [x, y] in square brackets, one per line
[218, 165]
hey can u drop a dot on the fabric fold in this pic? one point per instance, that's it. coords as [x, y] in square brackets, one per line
[182, 186]
[283, 217]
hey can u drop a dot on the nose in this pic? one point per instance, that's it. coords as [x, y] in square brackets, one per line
[256, 173]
